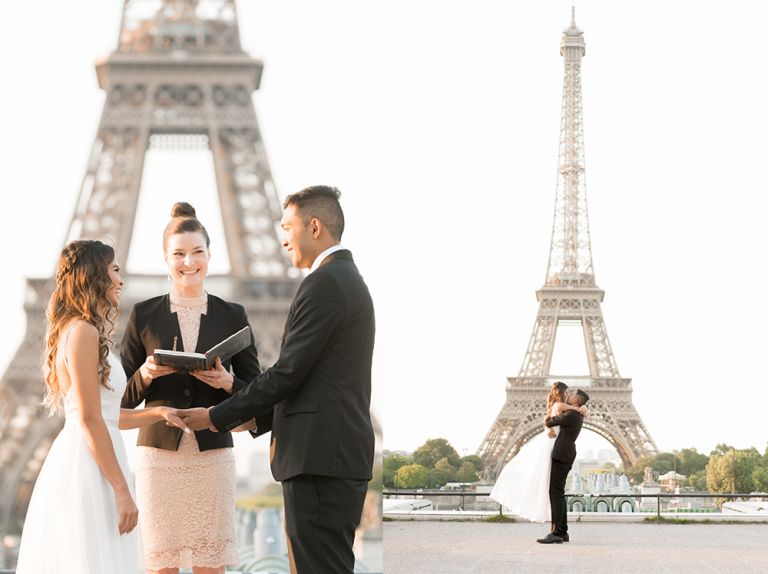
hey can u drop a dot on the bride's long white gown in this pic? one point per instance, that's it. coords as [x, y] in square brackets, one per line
[523, 484]
[71, 525]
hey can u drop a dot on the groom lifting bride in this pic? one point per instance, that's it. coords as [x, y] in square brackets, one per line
[532, 484]
[563, 455]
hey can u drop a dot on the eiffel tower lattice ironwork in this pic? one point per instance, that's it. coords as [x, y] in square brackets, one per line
[178, 78]
[569, 296]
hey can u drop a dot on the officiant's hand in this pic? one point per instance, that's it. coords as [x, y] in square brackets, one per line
[196, 419]
[218, 377]
[151, 370]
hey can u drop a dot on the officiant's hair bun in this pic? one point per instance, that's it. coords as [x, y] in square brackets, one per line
[183, 209]
[184, 220]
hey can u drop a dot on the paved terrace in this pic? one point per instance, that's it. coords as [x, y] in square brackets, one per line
[447, 547]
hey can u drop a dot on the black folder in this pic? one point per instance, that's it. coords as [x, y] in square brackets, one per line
[182, 361]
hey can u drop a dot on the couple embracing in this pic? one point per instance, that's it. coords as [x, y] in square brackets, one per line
[532, 484]
[315, 401]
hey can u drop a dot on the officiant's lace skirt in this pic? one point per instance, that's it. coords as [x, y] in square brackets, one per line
[186, 501]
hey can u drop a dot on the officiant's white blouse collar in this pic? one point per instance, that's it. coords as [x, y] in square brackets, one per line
[182, 301]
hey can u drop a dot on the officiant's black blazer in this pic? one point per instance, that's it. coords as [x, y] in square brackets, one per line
[320, 386]
[564, 449]
[151, 326]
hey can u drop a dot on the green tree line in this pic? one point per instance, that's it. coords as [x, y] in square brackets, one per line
[433, 464]
[725, 470]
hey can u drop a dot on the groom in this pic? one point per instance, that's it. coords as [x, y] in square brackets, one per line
[316, 398]
[563, 455]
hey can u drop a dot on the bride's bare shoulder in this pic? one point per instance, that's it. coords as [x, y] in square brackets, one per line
[79, 339]
[77, 334]
[556, 409]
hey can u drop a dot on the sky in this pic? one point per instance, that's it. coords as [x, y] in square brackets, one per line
[439, 121]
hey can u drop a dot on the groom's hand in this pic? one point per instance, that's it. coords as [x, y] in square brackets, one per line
[196, 419]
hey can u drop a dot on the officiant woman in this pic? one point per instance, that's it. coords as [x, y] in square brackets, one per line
[185, 482]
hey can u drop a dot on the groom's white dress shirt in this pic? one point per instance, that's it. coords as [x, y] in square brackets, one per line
[320, 258]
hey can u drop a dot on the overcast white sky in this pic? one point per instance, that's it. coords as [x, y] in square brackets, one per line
[439, 121]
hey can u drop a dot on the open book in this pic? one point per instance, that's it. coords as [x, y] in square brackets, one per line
[199, 361]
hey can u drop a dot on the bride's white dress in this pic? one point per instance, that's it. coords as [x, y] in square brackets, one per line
[523, 484]
[71, 525]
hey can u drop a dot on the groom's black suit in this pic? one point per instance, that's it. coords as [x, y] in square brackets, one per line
[563, 455]
[316, 401]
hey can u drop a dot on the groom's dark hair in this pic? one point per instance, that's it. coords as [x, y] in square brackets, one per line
[583, 397]
[322, 202]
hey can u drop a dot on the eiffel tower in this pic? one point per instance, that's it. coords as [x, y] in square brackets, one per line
[178, 79]
[569, 297]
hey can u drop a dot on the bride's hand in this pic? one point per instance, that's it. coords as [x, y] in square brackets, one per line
[583, 410]
[128, 514]
[172, 418]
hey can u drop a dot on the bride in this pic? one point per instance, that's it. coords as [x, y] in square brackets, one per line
[82, 515]
[523, 484]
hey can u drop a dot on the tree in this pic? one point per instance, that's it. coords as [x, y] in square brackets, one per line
[721, 472]
[467, 472]
[722, 449]
[443, 473]
[760, 474]
[691, 461]
[635, 473]
[433, 450]
[760, 478]
[697, 480]
[392, 464]
[688, 462]
[411, 476]
[664, 462]
[475, 461]
[733, 471]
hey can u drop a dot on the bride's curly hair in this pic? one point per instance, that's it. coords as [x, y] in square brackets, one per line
[556, 395]
[82, 283]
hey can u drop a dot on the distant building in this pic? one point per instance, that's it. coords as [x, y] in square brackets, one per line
[587, 466]
[609, 455]
[671, 481]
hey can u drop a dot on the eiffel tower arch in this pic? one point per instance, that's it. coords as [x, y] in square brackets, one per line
[178, 78]
[569, 297]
